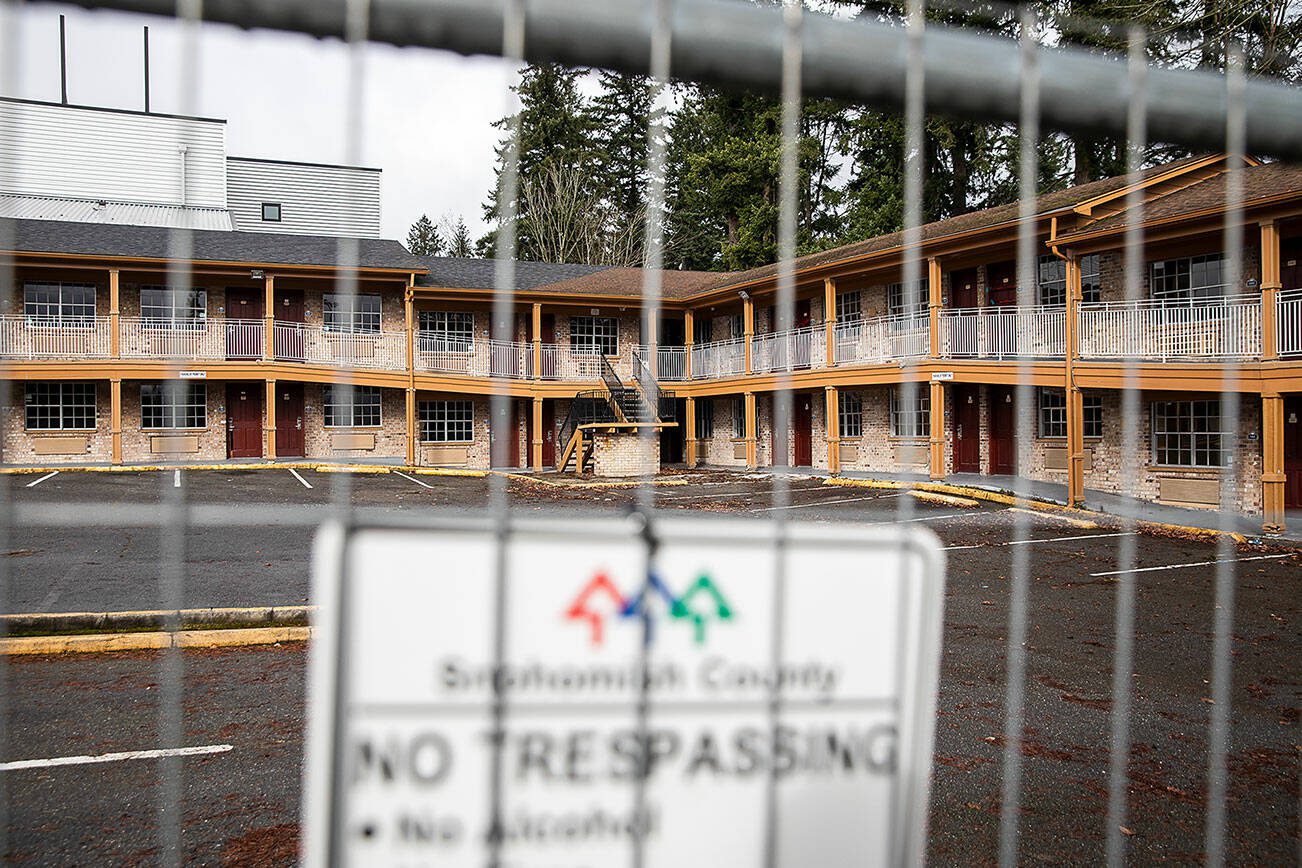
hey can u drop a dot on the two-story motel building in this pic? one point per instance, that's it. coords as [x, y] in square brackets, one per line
[109, 362]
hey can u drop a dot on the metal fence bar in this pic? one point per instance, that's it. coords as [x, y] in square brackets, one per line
[731, 43]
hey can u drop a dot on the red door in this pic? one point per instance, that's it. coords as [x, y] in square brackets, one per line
[504, 436]
[548, 326]
[967, 429]
[802, 430]
[1001, 277]
[1293, 452]
[802, 313]
[244, 323]
[291, 334]
[244, 420]
[1003, 421]
[289, 420]
[963, 288]
[548, 434]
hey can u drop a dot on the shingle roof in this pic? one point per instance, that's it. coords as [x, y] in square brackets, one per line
[153, 242]
[463, 273]
[628, 282]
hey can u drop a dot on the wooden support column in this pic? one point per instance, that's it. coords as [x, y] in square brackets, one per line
[829, 320]
[689, 329]
[936, 420]
[269, 426]
[1075, 400]
[269, 317]
[1270, 286]
[689, 434]
[1272, 462]
[535, 331]
[115, 419]
[409, 324]
[832, 427]
[115, 313]
[536, 445]
[752, 425]
[747, 326]
[935, 300]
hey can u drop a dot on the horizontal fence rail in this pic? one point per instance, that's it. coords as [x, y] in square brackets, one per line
[511, 360]
[671, 362]
[1288, 323]
[881, 339]
[1004, 332]
[564, 363]
[23, 337]
[207, 339]
[716, 359]
[1224, 327]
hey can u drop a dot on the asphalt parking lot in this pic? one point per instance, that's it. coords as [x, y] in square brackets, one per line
[241, 805]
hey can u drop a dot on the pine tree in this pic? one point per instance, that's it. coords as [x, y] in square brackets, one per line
[423, 238]
[458, 235]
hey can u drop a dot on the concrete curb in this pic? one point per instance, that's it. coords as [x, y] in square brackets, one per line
[561, 483]
[105, 642]
[319, 466]
[69, 625]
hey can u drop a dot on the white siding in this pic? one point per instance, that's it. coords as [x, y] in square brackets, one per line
[314, 200]
[84, 153]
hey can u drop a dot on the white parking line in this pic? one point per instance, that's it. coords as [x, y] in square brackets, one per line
[1196, 564]
[413, 479]
[925, 518]
[306, 484]
[822, 502]
[36, 482]
[729, 493]
[176, 479]
[1030, 542]
[115, 757]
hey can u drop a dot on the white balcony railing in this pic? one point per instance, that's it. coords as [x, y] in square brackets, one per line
[671, 362]
[312, 344]
[504, 359]
[789, 350]
[564, 363]
[1288, 323]
[882, 339]
[206, 339]
[715, 359]
[1004, 332]
[1224, 327]
[24, 337]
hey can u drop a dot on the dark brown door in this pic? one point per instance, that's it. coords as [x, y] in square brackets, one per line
[967, 429]
[803, 313]
[244, 420]
[1293, 452]
[1290, 263]
[548, 326]
[244, 323]
[506, 428]
[549, 434]
[802, 430]
[1003, 421]
[290, 333]
[289, 305]
[1002, 280]
[963, 288]
[289, 420]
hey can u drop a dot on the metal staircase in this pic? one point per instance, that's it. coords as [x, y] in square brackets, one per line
[618, 405]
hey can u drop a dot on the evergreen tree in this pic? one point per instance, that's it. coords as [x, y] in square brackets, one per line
[458, 235]
[423, 238]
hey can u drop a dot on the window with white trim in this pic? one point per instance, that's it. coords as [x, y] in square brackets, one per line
[59, 304]
[849, 308]
[173, 404]
[1051, 278]
[906, 309]
[594, 335]
[351, 406]
[850, 414]
[1053, 414]
[704, 418]
[911, 419]
[1189, 434]
[1190, 278]
[357, 314]
[447, 331]
[738, 418]
[447, 421]
[60, 406]
[165, 307]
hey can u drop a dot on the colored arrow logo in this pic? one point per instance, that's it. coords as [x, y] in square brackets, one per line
[721, 610]
[702, 603]
[581, 610]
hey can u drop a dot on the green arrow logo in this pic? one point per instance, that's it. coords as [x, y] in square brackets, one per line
[682, 608]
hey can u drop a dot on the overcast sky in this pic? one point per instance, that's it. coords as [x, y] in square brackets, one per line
[427, 117]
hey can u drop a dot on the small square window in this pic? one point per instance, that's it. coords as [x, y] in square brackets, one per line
[271, 212]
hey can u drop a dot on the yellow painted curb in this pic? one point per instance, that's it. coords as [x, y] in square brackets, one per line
[621, 483]
[446, 471]
[107, 642]
[947, 499]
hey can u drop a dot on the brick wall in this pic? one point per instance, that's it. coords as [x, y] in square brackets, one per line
[137, 442]
[624, 454]
[390, 437]
[20, 444]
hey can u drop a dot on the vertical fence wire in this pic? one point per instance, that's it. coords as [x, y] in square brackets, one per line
[914, 165]
[1028, 135]
[11, 46]
[1127, 544]
[1218, 731]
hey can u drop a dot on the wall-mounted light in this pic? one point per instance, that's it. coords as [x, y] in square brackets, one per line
[745, 296]
[256, 274]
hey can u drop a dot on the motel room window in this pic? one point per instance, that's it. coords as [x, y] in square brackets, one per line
[447, 421]
[173, 404]
[702, 330]
[1053, 414]
[447, 331]
[1189, 434]
[593, 335]
[1189, 279]
[738, 418]
[170, 308]
[1091, 286]
[905, 307]
[850, 414]
[60, 406]
[271, 212]
[911, 418]
[1051, 277]
[351, 406]
[62, 304]
[736, 326]
[359, 314]
[849, 310]
[704, 418]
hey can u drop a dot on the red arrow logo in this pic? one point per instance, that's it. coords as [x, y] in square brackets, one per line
[579, 609]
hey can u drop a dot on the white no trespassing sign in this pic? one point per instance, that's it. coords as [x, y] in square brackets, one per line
[479, 697]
